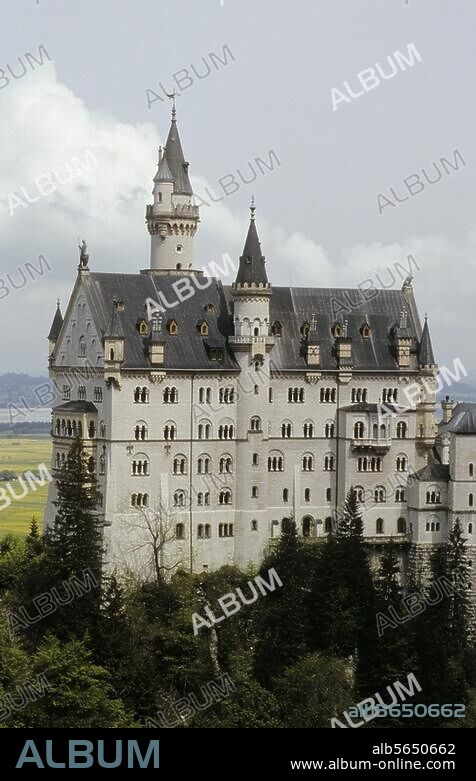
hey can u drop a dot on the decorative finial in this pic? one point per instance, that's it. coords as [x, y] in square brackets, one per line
[58, 302]
[160, 154]
[172, 97]
[252, 207]
[346, 326]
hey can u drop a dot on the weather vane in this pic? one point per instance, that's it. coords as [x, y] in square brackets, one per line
[172, 96]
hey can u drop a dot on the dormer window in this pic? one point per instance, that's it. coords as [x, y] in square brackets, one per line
[203, 327]
[337, 330]
[277, 329]
[209, 308]
[365, 331]
[142, 327]
[172, 327]
[179, 248]
[305, 329]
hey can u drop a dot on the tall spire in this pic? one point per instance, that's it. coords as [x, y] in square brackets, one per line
[252, 268]
[425, 353]
[175, 158]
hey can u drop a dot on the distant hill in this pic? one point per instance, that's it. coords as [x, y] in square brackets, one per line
[12, 386]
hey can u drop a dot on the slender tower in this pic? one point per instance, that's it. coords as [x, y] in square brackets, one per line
[172, 219]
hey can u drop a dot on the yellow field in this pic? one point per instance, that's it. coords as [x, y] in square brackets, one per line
[19, 455]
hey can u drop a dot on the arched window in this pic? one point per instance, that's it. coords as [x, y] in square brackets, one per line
[200, 530]
[91, 465]
[329, 463]
[400, 495]
[329, 430]
[276, 328]
[140, 431]
[172, 327]
[401, 526]
[255, 423]
[102, 464]
[307, 463]
[285, 495]
[470, 528]
[254, 491]
[170, 395]
[328, 525]
[141, 395]
[365, 331]
[255, 459]
[180, 499]
[180, 465]
[433, 495]
[275, 462]
[307, 494]
[401, 463]
[359, 494]
[286, 429]
[358, 430]
[471, 470]
[380, 494]
[180, 531]
[379, 526]
[225, 496]
[226, 464]
[225, 431]
[308, 430]
[254, 526]
[204, 429]
[471, 500]
[203, 465]
[170, 431]
[402, 429]
[307, 524]
[82, 346]
[140, 466]
[208, 531]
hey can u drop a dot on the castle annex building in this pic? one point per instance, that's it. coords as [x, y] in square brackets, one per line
[240, 406]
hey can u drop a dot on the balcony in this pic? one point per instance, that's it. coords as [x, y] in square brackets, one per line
[377, 445]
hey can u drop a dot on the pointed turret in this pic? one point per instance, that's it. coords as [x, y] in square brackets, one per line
[176, 160]
[425, 353]
[55, 329]
[172, 219]
[164, 174]
[252, 269]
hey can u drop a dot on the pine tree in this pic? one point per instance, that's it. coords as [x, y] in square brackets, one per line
[74, 544]
[33, 541]
[281, 616]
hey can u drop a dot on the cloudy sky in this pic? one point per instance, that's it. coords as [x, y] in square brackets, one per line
[318, 211]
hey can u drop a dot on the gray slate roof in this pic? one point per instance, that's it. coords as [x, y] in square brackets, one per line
[463, 420]
[432, 472]
[176, 161]
[187, 349]
[56, 324]
[291, 306]
[252, 264]
[294, 306]
[426, 349]
[77, 406]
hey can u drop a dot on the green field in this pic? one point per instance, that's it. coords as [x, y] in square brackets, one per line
[18, 455]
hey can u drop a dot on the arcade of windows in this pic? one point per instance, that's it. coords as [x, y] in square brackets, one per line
[328, 395]
[296, 395]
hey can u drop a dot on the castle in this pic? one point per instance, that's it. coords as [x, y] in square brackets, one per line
[210, 422]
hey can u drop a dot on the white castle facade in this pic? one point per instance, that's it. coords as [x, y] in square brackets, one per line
[214, 421]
